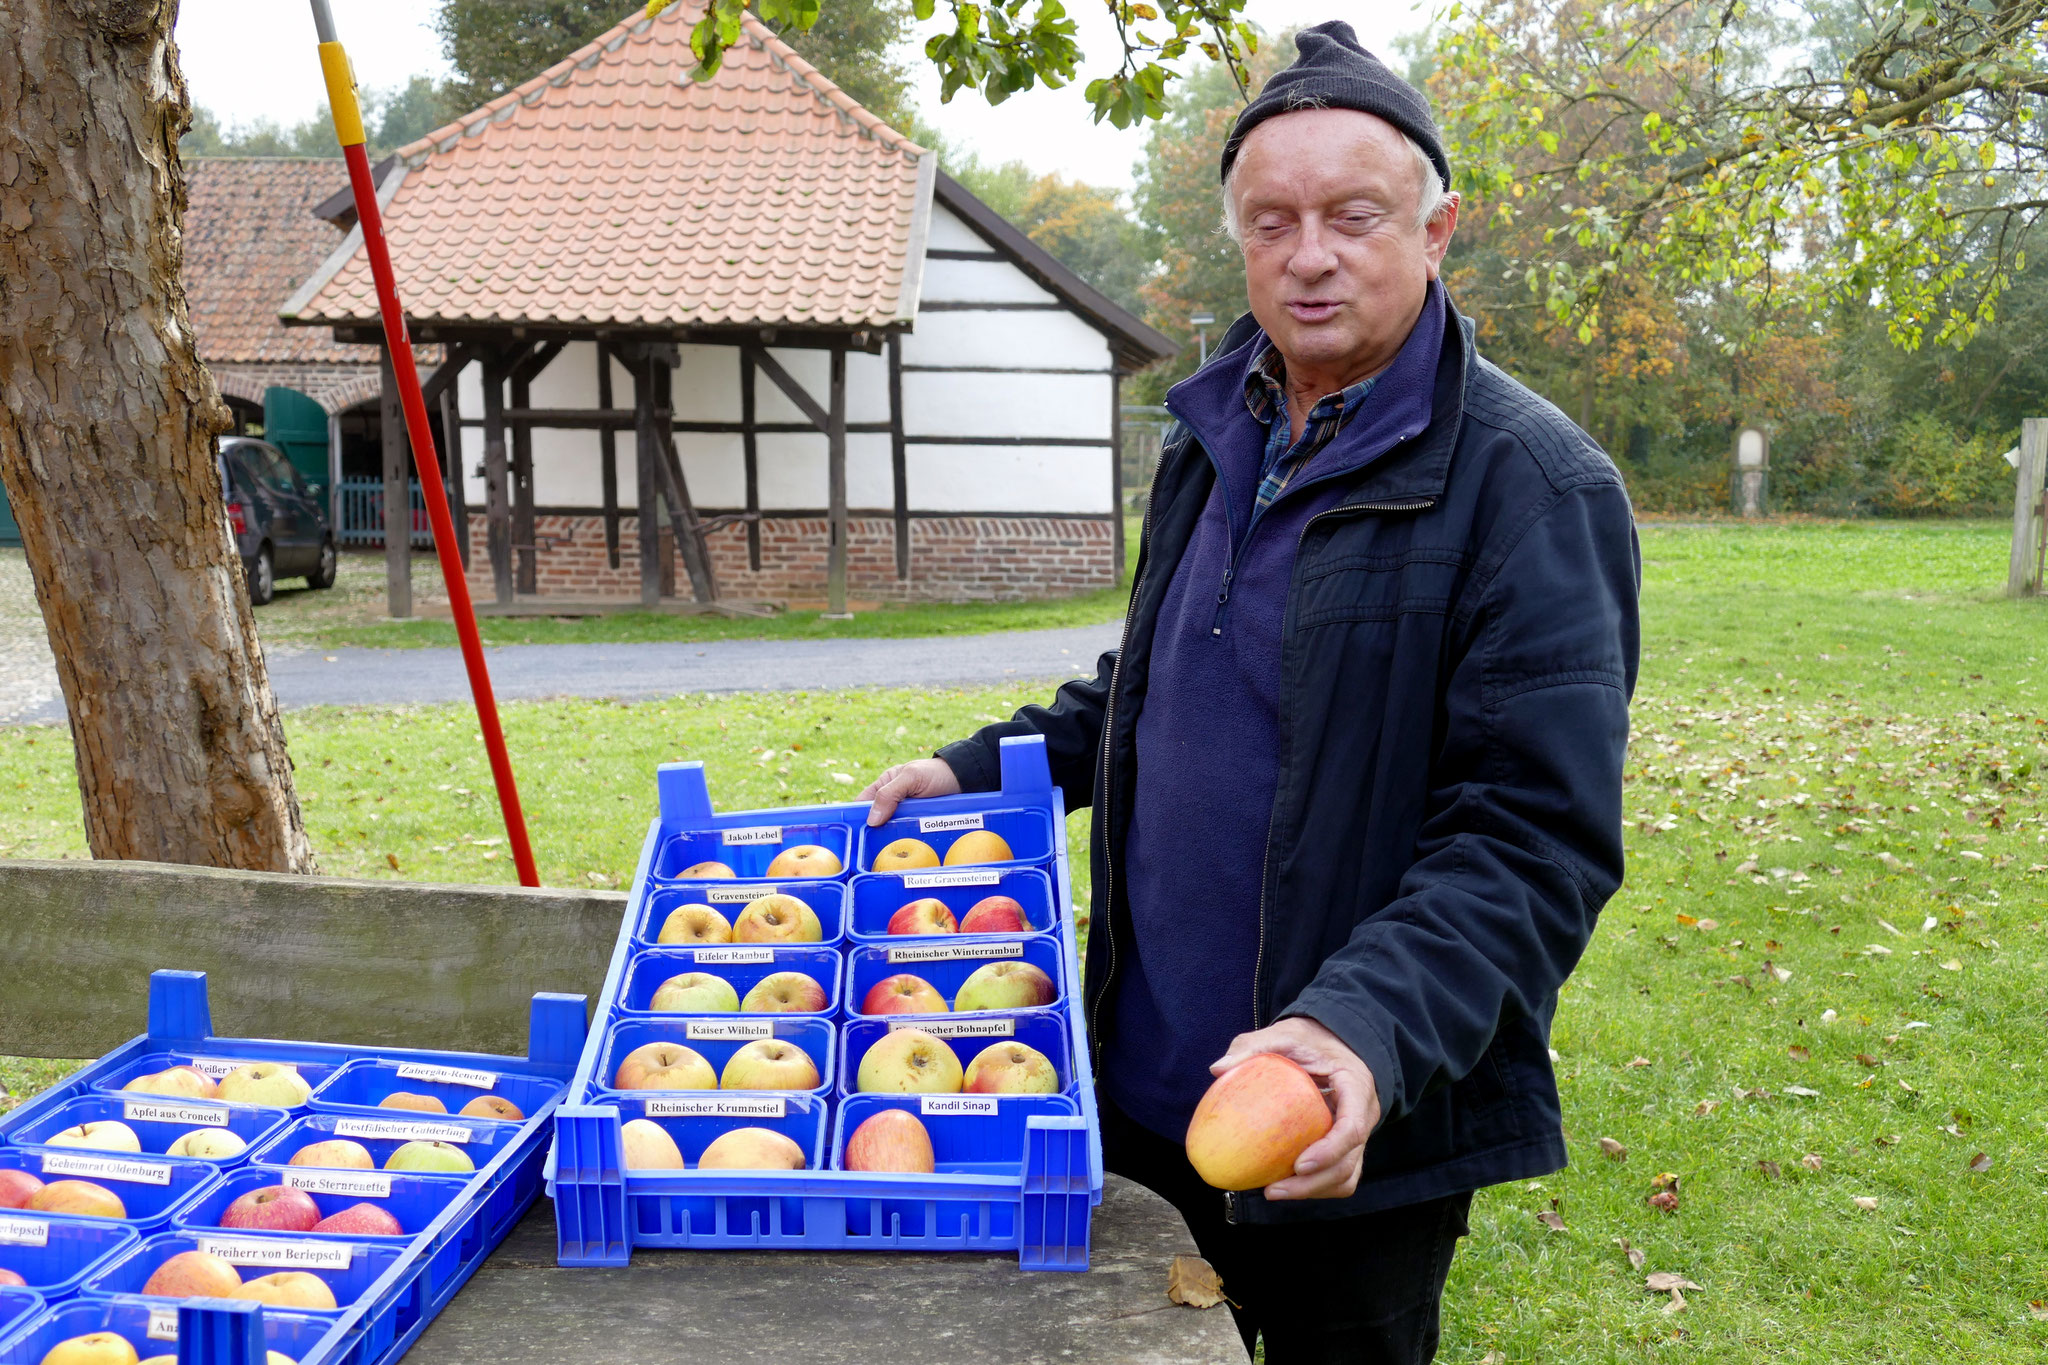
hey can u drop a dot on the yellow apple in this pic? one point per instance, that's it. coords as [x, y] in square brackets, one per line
[978, 846]
[179, 1080]
[405, 1099]
[78, 1197]
[805, 860]
[288, 1289]
[649, 1147]
[665, 1066]
[752, 1149]
[769, 1064]
[784, 993]
[97, 1348]
[493, 1107]
[906, 855]
[208, 1144]
[777, 919]
[695, 924]
[1254, 1121]
[1010, 1068]
[707, 871]
[890, 1140]
[909, 1062]
[278, 1084]
[193, 1275]
[695, 993]
[108, 1135]
[336, 1154]
[1011, 985]
[435, 1158]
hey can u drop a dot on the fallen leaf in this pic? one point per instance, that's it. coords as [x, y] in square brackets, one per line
[1952, 965]
[1876, 950]
[1634, 1254]
[1664, 1180]
[1191, 1281]
[1550, 1219]
[1677, 1304]
[1769, 1168]
[1687, 919]
[1664, 1281]
[1865, 1202]
[1613, 1150]
[1868, 1060]
[2038, 1309]
[1980, 1163]
[1887, 1139]
[1707, 926]
[1704, 1108]
[1801, 1091]
[1889, 928]
[392, 858]
[1798, 1053]
[1775, 972]
[1664, 1200]
[1635, 1063]
[1811, 1161]
[1493, 1358]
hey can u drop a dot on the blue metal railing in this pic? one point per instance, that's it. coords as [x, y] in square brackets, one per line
[361, 519]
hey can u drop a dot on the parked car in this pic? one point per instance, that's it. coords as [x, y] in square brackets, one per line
[280, 528]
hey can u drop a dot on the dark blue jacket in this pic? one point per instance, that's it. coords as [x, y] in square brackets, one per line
[1460, 647]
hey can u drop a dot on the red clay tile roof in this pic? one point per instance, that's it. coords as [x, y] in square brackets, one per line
[250, 238]
[613, 189]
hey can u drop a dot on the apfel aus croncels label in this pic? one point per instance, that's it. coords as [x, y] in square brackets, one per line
[948, 824]
[966, 876]
[403, 1132]
[107, 1168]
[731, 956]
[169, 1111]
[947, 952]
[446, 1075]
[354, 1184]
[752, 834]
[293, 1255]
[23, 1232]
[720, 1107]
[956, 1104]
[959, 1028]
[737, 895]
[728, 1030]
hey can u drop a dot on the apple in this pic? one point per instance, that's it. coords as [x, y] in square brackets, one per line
[17, 1188]
[995, 915]
[708, 871]
[777, 919]
[784, 993]
[405, 1099]
[273, 1209]
[770, 1064]
[665, 1066]
[909, 1062]
[278, 1084]
[97, 1348]
[288, 1289]
[752, 1149]
[208, 1144]
[1254, 1121]
[193, 1275]
[649, 1147]
[906, 855]
[891, 1140]
[430, 1157]
[493, 1107]
[1011, 1068]
[108, 1135]
[978, 846]
[695, 924]
[903, 993]
[10, 1280]
[1009, 985]
[805, 860]
[269, 1358]
[79, 1197]
[695, 993]
[184, 1081]
[928, 916]
[361, 1220]
[337, 1154]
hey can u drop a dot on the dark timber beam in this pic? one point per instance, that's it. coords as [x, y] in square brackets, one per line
[607, 444]
[1116, 464]
[527, 578]
[898, 463]
[397, 493]
[835, 457]
[749, 448]
[645, 477]
[682, 514]
[785, 381]
[497, 500]
[452, 468]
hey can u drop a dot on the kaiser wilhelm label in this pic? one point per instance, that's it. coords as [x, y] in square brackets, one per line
[736, 895]
[720, 1107]
[706, 956]
[728, 1030]
[163, 1324]
[24, 1232]
[946, 824]
[296, 1255]
[170, 1111]
[354, 1184]
[967, 876]
[959, 1028]
[446, 1075]
[956, 1104]
[214, 1069]
[107, 1168]
[753, 834]
[946, 952]
[404, 1132]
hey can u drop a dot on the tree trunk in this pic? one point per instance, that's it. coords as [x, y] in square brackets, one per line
[107, 421]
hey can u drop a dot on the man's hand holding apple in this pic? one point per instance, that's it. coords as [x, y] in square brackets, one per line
[1329, 1168]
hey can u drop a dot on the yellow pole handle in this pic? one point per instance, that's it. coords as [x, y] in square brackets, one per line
[341, 94]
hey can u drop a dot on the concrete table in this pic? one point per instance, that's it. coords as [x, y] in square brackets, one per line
[774, 1308]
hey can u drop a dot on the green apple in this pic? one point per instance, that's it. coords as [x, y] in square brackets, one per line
[208, 1144]
[695, 993]
[277, 1084]
[1005, 986]
[429, 1156]
[108, 1135]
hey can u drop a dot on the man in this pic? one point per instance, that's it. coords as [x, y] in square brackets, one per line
[1356, 767]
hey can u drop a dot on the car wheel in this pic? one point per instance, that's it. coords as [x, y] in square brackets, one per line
[323, 573]
[262, 578]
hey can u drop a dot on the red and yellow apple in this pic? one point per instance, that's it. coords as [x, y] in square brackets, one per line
[909, 1062]
[493, 1107]
[1011, 985]
[343, 1154]
[405, 1099]
[278, 1084]
[81, 1198]
[890, 1140]
[17, 1188]
[695, 993]
[272, 1209]
[995, 915]
[777, 919]
[1254, 1122]
[288, 1289]
[665, 1066]
[695, 924]
[95, 1348]
[752, 1149]
[906, 855]
[784, 993]
[805, 860]
[928, 916]
[1011, 1068]
[108, 1135]
[710, 870]
[649, 1147]
[185, 1081]
[769, 1064]
[978, 846]
[193, 1275]
[903, 993]
[10, 1279]
[361, 1220]
[208, 1144]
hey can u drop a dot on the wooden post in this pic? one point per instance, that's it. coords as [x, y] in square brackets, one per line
[2023, 573]
[1116, 463]
[646, 479]
[684, 529]
[899, 470]
[458, 475]
[527, 577]
[748, 446]
[497, 500]
[835, 458]
[609, 457]
[397, 495]
[334, 475]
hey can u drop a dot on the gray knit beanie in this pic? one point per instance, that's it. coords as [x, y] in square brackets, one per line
[1331, 71]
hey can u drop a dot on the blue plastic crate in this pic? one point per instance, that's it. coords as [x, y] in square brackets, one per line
[945, 963]
[1038, 1168]
[55, 1253]
[350, 1267]
[971, 1134]
[201, 1332]
[649, 967]
[157, 1122]
[151, 1188]
[827, 900]
[878, 895]
[414, 1200]
[383, 1133]
[817, 1037]
[360, 1086]
[748, 845]
[17, 1306]
[309, 1060]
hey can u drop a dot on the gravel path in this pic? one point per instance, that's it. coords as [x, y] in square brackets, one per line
[28, 672]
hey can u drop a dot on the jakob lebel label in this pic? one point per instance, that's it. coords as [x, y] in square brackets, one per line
[753, 834]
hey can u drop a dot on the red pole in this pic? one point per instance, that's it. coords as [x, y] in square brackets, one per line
[348, 127]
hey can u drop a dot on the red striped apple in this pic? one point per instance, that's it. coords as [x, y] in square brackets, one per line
[784, 993]
[17, 1188]
[1255, 1121]
[1011, 1068]
[891, 1140]
[805, 860]
[909, 1062]
[1011, 985]
[995, 915]
[928, 916]
[752, 1149]
[978, 846]
[361, 1220]
[695, 924]
[770, 1064]
[777, 919]
[903, 993]
[193, 1275]
[274, 1209]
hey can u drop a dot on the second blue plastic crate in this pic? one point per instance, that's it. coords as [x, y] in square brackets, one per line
[944, 964]
[414, 1200]
[54, 1253]
[1046, 1031]
[150, 1188]
[816, 1037]
[349, 1268]
[149, 1330]
[156, 1121]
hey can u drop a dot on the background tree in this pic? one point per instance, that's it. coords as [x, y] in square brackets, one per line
[107, 422]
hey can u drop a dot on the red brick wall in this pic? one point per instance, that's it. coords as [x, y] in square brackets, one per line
[952, 559]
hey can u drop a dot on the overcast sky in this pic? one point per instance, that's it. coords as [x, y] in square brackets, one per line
[251, 59]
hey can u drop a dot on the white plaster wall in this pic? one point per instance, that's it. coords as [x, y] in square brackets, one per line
[1008, 405]
[1009, 479]
[980, 282]
[1046, 340]
[949, 233]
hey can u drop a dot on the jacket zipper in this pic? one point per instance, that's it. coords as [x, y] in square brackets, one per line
[1266, 859]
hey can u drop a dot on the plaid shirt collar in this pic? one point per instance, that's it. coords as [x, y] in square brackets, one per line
[1265, 393]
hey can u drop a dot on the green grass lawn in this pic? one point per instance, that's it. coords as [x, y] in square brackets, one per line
[1822, 983]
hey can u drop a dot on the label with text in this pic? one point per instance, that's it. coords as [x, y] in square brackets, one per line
[213, 1068]
[354, 1184]
[23, 1232]
[736, 895]
[719, 1107]
[731, 956]
[925, 881]
[753, 834]
[403, 1132]
[959, 1028]
[294, 1255]
[107, 1168]
[446, 1075]
[956, 1104]
[947, 952]
[947, 824]
[163, 1324]
[169, 1111]
[728, 1030]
